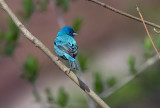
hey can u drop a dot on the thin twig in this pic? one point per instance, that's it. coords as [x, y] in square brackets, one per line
[38, 97]
[123, 13]
[41, 46]
[148, 32]
[141, 69]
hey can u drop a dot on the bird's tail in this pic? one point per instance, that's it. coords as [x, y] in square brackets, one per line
[74, 65]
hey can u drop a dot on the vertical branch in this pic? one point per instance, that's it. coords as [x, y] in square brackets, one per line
[148, 32]
[58, 14]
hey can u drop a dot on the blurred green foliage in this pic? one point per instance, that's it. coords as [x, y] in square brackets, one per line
[147, 44]
[77, 23]
[9, 49]
[158, 42]
[28, 6]
[148, 47]
[49, 95]
[13, 27]
[64, 4]
[31, 68]
[9, 38]
[128, 93]
[156, 39]
[111, 81]
[62, 98]
[83, 61]
[150, 79]
[43, 5]
[134, 93]
[1, 39]
[1, 36]
[131, 63]
[98, 83]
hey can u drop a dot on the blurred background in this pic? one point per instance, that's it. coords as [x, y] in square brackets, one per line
[112, 48]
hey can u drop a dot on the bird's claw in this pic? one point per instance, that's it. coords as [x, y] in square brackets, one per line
[57, 58]
[69, 70]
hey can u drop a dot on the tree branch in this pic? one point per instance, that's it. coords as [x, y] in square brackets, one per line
[58, 14]
[141, 69]
[41, 46]
[123, 13]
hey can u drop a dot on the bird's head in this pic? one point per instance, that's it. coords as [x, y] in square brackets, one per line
[68, 31]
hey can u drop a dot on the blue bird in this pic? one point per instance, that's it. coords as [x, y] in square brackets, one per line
[65, 46]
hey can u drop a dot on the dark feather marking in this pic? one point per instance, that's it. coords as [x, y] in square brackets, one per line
[54, 43]
[68, 51]
[64, 57]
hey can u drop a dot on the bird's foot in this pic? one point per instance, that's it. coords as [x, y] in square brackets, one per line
[69, 70]
[57, 58]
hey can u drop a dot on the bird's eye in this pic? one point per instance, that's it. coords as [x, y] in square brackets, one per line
[70, 32]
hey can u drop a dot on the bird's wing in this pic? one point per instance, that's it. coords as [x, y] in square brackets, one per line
[67, 47]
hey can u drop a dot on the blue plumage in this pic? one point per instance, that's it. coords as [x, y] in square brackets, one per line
[65, 46]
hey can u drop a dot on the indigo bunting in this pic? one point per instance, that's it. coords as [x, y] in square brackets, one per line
[65, 46]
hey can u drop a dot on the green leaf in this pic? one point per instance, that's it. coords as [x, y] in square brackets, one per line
[31, 68]
[49, 95]
[98, 83]
[64, 4]
[131, 60]
[131, 63]
[158, 42]
[111, 81]
[11, 41]
[1, 40]
[147, 44]
[28, 6]
[83, 61]
[77, 23]
[1, 50]
[43, 5]
[9, 49]
[1, 36]
[62, 98]
[10, 36]
[13, 27]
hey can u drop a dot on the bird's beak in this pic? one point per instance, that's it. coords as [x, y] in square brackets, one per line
[75, 34]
